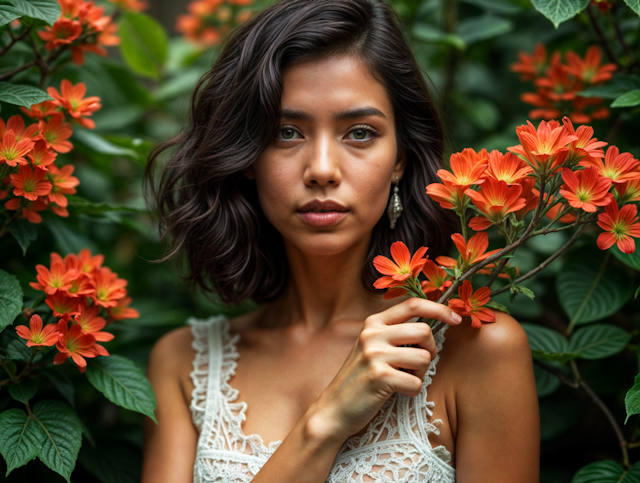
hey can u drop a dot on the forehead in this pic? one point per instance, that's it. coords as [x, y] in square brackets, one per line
[331, 84]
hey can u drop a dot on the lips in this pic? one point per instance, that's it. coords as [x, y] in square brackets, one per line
[319, 206]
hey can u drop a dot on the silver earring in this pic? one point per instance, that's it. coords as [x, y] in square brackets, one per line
[395, 206]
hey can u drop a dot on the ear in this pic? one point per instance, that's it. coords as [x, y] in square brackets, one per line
[249, 173]
[401, 164]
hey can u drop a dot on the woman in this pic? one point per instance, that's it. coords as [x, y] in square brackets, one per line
[276, 192]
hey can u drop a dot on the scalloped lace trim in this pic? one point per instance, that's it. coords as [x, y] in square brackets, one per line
[394, 448]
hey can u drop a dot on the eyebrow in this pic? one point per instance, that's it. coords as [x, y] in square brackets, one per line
[340, 116]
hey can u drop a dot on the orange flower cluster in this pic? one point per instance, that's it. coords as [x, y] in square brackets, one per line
[133, 5]
[208, 20]
[28, 171]
[78, 288]
[558, 84]
[83, 27]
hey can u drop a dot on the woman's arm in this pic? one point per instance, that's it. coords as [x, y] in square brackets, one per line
[169, 446]
[498, 434]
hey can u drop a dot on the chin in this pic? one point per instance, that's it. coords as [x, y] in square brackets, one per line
[324, 244]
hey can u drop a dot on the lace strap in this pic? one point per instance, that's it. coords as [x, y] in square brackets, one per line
[205, 373]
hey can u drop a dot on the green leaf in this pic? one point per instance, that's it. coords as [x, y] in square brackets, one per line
[8, 14]
[435, 35]
[617, 86]
[47, 10]
[68, 240]
[144, 44]
[591, 291]
[547, 344]
[24, 391]
[22, 95]
[97, 143]
[637, 292]
[84, 206]
[632, 399]
[559, 11]
[123, 383]
[607, 471]
[628, 99]
[633, 5]
[24, 232]
[17, 350]
[555, 356]
[492, 304]
[10, 299]
[546, 383]
[20, 438]
[598, 341]
[498, 6]
[63, 438]
[476, 29]
[63, 384]
[186, 81]
[630, 259]
[519, 289]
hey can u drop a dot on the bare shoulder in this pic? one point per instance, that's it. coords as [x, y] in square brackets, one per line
[173, 350]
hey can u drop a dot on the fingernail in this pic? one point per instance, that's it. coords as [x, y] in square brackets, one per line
[456, 317]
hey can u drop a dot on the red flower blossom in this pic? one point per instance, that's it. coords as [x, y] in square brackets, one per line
[449, 196]
[41, 157]
[29, 208]
[63, 305]
[73, 343]
[585, 146]
[507, 167]
[437, 279]
[473, 251]
[627, 192]
[471, 304]
[467, 168]
[12, 152]
[58, 278]
[123, 311]
[72, 99]
[589, 70]
[531, 66]
[586, 189]
[55, 133]
[30, 183]
[62, 184]
[619, 227]
[495, 200]
[401, 268]
[41, 110]
[93, 324]
[36, 335]
[109, 288]
[619, 168]
[16, 124]
[63, 32]
[133, 5]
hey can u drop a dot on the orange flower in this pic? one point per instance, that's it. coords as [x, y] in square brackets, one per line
[543, 148]
[30, 183]
[557, 85]
[41, 110]
[11, 152]
[72, 99]
[16, 124]
[619, 168]
[471, 304]
[628, 192]
[449, 196]
[495, 200]
[586, 189]
[437, 279]
[109, 288]
[63, 32]
[401, 268]
[36, 335]
[531, 196]
[473, 251]
[92, 324]
[62, 184]
[86, 262]
[133, 5]
[73, 343]
[55, 132]
[585, 146]
[507, 167]
[467, 168]
[589, 69]
[58, 278]
[29, 208]
[531, 66]
[619, 227]
[123, 311]
[41, 156]
[63, 305]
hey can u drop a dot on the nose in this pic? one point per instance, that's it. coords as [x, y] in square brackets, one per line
[323, 165]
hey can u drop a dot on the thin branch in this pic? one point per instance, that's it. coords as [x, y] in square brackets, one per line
[545, 231]
[496, 271]
[556, 373]
[601, 37]
[14, 40]
[17, 70]
[544, 264]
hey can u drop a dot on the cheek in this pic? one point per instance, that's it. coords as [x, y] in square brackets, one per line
[275, 183]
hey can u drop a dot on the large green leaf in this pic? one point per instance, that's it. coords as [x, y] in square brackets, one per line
[8, 14]
[69, 240]
[630, 259]
[617, 86]
[144, 44]
[607, 471]
[598, 341]
[10, 299]
[22, 95]
[632, 399]
[591, 291]
[633, 5]
[47, 10]
[63, 438]
[432, 34]
[24, 232]
[123, 383]
[476, 29]
[547, 344]
[628, 99]
[97, 143]
[559, 11]
[546, 383]
[20, 438]
[24, 391]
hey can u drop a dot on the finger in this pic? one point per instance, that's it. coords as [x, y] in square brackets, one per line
[407, 383]
[412, 307]
[412, 333]
[408, 358]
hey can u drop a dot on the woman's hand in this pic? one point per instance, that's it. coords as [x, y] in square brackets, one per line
[370, 375]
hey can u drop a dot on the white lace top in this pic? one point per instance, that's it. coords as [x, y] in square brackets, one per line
[394, 448]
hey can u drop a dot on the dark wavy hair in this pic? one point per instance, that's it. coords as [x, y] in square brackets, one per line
[207, 205]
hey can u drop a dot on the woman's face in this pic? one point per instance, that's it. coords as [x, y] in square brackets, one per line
[337, 143]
